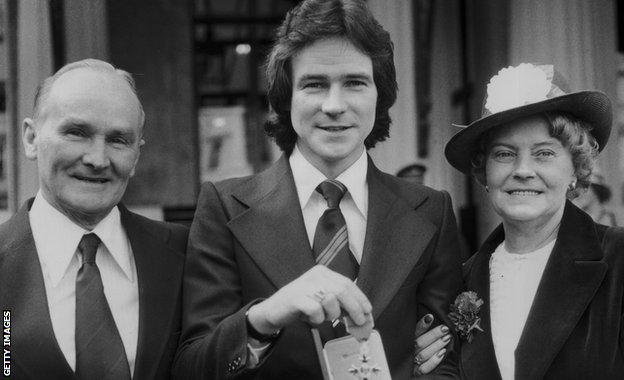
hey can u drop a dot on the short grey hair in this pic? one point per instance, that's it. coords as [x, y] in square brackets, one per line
[43, 91]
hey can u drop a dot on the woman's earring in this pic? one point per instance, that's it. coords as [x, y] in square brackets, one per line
[487, 189]
[572, 186]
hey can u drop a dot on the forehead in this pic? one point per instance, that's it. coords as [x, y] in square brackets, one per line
[91, 94]
[529, 130]
[329, 57]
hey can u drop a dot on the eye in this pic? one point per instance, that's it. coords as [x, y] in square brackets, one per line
[77, 132]
[503, 155]
[355, 83]
[313, 85]
[119, 140]
[545, 154]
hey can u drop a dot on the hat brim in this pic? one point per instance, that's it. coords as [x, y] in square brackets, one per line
[593, 107]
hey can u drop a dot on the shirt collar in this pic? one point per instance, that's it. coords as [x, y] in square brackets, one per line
[57, 237]
[307, 177]
[114, 237]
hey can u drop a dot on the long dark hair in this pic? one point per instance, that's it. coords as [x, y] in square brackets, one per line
[314, 20]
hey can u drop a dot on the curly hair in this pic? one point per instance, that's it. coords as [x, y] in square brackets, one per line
[573, 133]
[314, 20]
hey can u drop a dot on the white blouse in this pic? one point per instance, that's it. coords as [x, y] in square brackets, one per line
[514, 279]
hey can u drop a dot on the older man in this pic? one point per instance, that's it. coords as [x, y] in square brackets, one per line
[93, 290]
[322, 232]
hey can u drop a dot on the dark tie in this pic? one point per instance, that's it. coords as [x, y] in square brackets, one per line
[100, 352]
[331, 246]
[331, 242]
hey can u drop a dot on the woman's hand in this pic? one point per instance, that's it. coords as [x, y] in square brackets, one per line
[430, 345]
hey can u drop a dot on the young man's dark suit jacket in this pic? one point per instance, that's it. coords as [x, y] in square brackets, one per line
[575, 327]
[158, 249]
[248, 239]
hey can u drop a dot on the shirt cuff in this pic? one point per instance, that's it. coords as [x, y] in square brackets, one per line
[256, 351]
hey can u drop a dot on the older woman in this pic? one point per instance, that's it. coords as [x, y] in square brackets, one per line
[551, 279]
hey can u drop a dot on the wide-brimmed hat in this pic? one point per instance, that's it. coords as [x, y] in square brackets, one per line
[526, 90]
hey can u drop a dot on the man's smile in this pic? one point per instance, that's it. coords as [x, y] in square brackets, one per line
[91, 179]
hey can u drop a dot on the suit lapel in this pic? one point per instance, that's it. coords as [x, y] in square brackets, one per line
[478, 357]
[35, 349]
[396, 237]
[159, 275]
[571, 277]
[271, 229]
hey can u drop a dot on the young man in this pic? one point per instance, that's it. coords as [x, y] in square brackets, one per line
[93, 290]
[272, 254]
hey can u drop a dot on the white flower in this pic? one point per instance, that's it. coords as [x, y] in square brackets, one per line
[517, 86]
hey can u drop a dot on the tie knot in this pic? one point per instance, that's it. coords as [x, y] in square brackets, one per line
[332, 191]
[88, 247]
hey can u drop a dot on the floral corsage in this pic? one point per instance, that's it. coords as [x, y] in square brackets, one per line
[465, 314]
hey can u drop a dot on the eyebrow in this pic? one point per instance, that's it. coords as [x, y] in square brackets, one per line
[72, 122]
[537, 145]
[311, 77]
[75, 123]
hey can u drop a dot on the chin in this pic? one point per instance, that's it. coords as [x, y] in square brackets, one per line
[340, 152]
[520, 214]
[91, 204]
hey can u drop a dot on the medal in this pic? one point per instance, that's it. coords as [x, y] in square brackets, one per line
[357, 356]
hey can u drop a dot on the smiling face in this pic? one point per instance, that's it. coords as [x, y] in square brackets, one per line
[528, 172]
[86, 143]
[333, 103]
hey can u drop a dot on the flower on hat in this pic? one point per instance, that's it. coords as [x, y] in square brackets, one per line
[517, 86]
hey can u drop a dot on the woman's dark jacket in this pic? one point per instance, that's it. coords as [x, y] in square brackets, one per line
[575, 327]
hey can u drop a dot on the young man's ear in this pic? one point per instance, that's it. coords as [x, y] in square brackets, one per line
[29, 135]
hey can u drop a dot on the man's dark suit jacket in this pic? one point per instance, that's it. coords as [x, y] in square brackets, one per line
[158, 250]
[248, 239]
[575, 327]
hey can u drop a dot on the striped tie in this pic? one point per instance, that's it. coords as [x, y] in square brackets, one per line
[331, 243]
[100, 352]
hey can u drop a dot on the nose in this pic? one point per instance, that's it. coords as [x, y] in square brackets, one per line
[334, 103]
[524, 167]
[96, 156]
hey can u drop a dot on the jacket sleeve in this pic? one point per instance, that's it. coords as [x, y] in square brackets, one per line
[213, 343]
[441, 284]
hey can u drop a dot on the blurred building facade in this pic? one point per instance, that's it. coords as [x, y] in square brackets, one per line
[198, 67]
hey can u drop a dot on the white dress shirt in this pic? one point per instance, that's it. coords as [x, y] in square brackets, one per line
[56, 239]
[514, 279]
[354, 207]
[354, 204]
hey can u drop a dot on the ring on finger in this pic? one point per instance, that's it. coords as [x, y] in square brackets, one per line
[418, 360]
[319, 295]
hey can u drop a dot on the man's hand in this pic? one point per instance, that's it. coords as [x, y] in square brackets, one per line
[316, 296]
[429, 345]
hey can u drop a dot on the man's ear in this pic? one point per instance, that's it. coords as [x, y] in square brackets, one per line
[136, 160]
[29, 137]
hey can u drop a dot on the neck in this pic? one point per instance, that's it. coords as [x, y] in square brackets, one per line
[528, 236]
[331, 169]
[88, 221]
[594, 209]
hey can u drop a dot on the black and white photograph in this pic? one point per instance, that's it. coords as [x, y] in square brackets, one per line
[312, 189]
